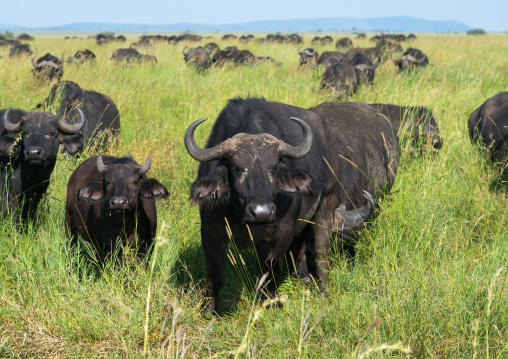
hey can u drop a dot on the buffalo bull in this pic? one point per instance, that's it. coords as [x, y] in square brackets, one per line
[412, 123]
[411, 59]
[364, 68]
[101, 113]
[48, 67]
[263, 170]
[17, 50]
[308, 57]
[199, 56]
[28, 150]
[329, 57]
[488, 124]
[341, 77]
[110, 198]
[132, 55]
[345, 43]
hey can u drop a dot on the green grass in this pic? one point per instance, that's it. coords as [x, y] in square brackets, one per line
[430, 272]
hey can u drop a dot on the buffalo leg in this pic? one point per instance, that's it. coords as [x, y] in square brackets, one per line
[322, 231]
[215, 253]
[297, 257]
[272, 270]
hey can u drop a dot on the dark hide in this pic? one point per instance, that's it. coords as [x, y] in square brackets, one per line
[48, 67]
[341, 77]
[411, 59]
[198, 56]
[102, 116]
[253, 176]
[345, 43]
[131, 55]
[308, 57]
[117, 205]
[414, 123]
[489, 124]
[27, 160]
[329, 57]
[364, 68]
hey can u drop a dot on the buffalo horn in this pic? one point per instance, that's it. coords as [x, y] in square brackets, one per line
[33, 62]
[183, 51]
[145, 166]
[346, 220]
[9, 126]
[304, 147]
[198, 153]
[69, 129]
[299, 52]
[375, 66]
[62, 61]
[101, 167]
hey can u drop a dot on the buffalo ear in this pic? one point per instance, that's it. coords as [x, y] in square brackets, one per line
[211, 190]
[91, 191]
[72, 143]
[151, 188]
[7, 147]
[291, 180]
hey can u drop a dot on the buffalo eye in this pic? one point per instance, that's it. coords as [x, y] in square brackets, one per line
[53, 133]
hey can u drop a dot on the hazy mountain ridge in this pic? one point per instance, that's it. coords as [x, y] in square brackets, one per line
[394, 23]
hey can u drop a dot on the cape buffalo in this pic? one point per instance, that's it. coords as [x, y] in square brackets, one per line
[110, 198]
[48, 67]
[308, 57]
[411, 59]
[23, 49]
[345, 43]
[341, 77]
[199, 56]
[27, 159]
[364, 68]
[294, 39]
[329, 57]
[263, 170]
[413, 123]
[101, 113]
[84, 55]
[132, 55]
[489, 124]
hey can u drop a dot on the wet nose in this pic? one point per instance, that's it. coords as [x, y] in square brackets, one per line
[257, 212]
[118, 203]
[34, 152]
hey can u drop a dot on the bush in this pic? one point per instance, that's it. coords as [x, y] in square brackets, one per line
[476, 32]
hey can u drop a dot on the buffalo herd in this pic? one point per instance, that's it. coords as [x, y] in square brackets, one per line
[288, 181]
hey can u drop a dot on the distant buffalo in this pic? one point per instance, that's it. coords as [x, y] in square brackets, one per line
[344, 43]
[411, 59]
[364, 68]
[199, 57]
[341, 77]
[308, 57]
[23, 49]
[132, 55]
[48, 67]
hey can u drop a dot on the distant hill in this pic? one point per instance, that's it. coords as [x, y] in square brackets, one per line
[394, 23]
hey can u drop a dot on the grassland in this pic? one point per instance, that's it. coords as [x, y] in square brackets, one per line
[430, 272]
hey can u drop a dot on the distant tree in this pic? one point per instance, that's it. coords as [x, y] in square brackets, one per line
[477, 31]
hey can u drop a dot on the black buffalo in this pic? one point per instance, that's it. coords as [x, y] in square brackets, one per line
[341, 77]
[48, 67]
[111, 199]
[84, 55]
[415, 124]
[488, 124]
[263, 167]
[101, 113]
[344, 43]
[411, 59]
[28, 150]
[22, 49]
[308, 57]
[294, 39]
[132, 55]
[364, 68]
[198, 56]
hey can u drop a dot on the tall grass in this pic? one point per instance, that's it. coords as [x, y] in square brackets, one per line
[429, 278]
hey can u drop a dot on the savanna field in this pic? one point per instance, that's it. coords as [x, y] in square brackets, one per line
[430, 275]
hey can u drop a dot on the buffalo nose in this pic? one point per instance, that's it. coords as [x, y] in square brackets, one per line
[34, 151]
[118, 203]
[261, 212]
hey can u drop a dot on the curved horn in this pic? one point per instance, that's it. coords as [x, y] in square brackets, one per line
[145, 166]
[299, 52]
[198, 153]
[62, 60]
[345, 220]
[9, 126]
[33, 62]
[101, 167]
[375, 66]
[391, 58]
[183, 51]
[303, 148]
[69, 129]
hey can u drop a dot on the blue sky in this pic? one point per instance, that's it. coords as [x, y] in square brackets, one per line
[490, 15]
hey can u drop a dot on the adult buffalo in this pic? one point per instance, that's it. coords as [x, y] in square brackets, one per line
[263, 170]
[198, 56]
[17, 50]
[27, 160]
[308, 57]
[48, 67]
[488, 124]
[102, 115]
[415, 124]
[364, 68]
[341, 77]
[111, 199]
[132, 55]
[84, 55]
[411, 59]
[344, 43]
